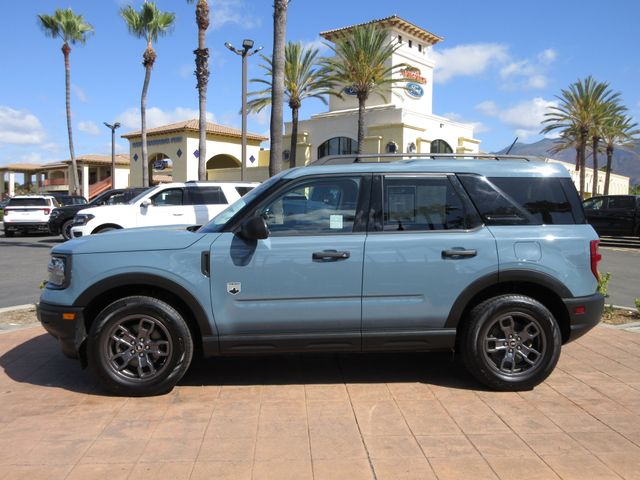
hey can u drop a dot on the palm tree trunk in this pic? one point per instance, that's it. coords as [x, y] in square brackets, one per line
[202, 76]
[361, 110]
[149, 58]
[594, 189]
[277, 90]
[294, 138]
[75, 184]
[608, 173]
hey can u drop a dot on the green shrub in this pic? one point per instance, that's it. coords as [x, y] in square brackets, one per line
[637, 300]
[603, 283]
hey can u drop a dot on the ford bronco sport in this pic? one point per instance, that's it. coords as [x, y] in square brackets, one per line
[490, 257]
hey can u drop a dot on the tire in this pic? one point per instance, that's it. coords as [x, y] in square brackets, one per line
[494, 347]
[65, 230]
[139, 346]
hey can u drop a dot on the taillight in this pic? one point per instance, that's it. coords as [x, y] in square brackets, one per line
[46, 211]
[595, 258]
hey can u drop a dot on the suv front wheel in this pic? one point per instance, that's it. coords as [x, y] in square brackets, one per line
[139, 346]
[510, 342]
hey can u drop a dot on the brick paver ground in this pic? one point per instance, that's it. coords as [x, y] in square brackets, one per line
[406, 416]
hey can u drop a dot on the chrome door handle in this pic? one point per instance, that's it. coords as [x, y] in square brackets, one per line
[329, 256]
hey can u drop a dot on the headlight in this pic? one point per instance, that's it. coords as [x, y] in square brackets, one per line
[82, 219]
[58, 271]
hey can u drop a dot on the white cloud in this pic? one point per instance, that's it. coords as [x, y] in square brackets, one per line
[156, 117]
[261, 118]
[537, 81]
[524, 117]
[467, 60]
[89, 127]
[488, 107]
[31, 157]
[478, 127]
[547, 56]
[79, 93]
[20, 127]
[233, 11]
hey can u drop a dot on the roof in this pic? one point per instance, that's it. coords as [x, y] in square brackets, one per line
[90, 159]
[21, 167]
[194, 126]
[393, 21]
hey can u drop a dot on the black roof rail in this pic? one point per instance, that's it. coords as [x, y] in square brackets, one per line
[389, 157]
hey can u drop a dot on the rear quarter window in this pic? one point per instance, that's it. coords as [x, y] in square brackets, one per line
[243, 190]
[524, 200]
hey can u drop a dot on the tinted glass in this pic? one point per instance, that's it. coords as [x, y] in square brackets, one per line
[206, 196]
[594, 203]
[314, 207]
[171, 196]
[422, 204]
[28, 202]
[242, 191]
[521, 201]
[624, 203]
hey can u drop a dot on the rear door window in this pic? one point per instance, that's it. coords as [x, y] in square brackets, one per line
[206, 196]
[621, 203]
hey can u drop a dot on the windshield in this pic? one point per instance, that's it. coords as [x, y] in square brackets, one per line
[219, 221]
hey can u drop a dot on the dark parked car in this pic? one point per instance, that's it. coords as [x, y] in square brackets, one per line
[61, 219]
[69, 199]
[614, 214]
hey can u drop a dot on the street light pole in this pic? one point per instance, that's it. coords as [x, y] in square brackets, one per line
[113, 151]
[247, 45]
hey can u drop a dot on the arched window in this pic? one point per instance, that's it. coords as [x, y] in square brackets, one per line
[440, 146]
[337, 146]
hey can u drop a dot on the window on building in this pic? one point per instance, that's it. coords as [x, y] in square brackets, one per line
[391, 147]
[399, 38]
[440, 146]
[337, 146]
[410, 44]
[420, 47]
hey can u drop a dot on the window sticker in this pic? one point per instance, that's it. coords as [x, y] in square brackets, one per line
[336, 222]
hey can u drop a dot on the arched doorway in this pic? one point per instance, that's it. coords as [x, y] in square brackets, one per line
[222, 160]
[337, 146]
[160, 169]
[440, 146]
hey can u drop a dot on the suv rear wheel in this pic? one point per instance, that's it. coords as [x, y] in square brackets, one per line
[510, 342]
[139, 346]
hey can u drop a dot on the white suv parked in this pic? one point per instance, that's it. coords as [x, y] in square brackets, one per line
[190, 203]
[28, 212]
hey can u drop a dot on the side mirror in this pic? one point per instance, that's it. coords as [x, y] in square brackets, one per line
[145, 203]
[254, 229]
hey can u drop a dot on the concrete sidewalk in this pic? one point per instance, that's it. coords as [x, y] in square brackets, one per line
[391, 416]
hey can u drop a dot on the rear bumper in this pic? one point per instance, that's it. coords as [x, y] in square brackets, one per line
[70, 333]
[39, 226]
[584, 314]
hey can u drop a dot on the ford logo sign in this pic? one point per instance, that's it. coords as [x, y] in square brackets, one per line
[350, 91]
[414, 90]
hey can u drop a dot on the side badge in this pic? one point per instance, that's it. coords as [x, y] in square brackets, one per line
[234, 288]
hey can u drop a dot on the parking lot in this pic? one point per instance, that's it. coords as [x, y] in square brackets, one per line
[395, 416]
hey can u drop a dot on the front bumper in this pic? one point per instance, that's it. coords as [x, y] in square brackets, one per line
[70, 333]
[584, 314]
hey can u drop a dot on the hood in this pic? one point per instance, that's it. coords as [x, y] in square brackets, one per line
[112, 209]
[172, 237]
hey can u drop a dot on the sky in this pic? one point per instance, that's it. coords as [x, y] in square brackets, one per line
[500, 66]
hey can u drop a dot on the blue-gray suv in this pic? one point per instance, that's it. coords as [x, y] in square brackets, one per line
[490, 257]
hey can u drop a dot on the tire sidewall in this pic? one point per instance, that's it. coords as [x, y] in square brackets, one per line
[483, 317]
[177, 364]
[66, 234]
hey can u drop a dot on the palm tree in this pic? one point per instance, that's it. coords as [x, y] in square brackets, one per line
[621, 131]
[149, 23]
[361, 63]
[202, 77]
[72, 29]
[577, 112]
[277, 92]
[302, 79]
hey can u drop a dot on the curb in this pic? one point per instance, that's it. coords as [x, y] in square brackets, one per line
[17, 308]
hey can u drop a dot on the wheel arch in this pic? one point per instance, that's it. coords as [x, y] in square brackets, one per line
[106, 225]
[539, 286]
[96, 297]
